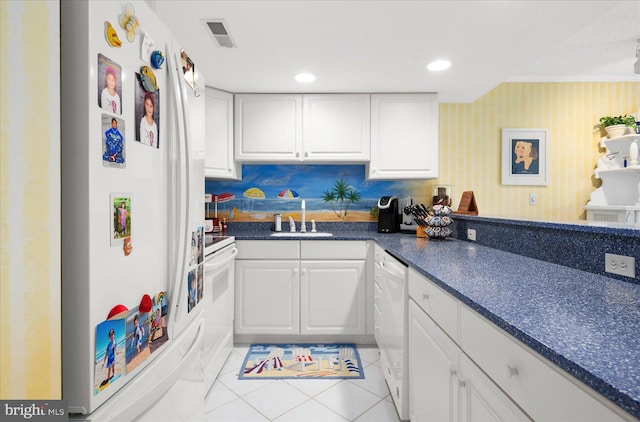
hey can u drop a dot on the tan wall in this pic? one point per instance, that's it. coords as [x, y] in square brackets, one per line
[30, 355]
[470, 144]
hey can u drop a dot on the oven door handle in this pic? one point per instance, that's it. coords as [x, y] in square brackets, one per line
[218, 266]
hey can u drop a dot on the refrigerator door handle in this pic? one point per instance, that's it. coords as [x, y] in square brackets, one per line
[184, 177]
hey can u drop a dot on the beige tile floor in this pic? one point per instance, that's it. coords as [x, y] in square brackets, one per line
[315, 400]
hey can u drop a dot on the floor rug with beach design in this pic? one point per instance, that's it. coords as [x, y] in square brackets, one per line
[280, 361]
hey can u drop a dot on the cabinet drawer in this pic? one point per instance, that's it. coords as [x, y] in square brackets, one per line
[268, 249]
[435, 302]
[538, 388]
[333, 249]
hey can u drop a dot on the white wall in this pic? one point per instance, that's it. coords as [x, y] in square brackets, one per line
[30, 329]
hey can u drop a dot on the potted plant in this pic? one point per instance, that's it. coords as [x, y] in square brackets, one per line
[616, 126]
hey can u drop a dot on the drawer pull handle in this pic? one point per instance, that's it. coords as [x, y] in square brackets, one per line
[453, 372]
[510, 371]
[425, 296]
[461, 384]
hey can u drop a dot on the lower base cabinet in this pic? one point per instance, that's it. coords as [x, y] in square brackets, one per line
[444, 385]
[278, 292]
[267, 297]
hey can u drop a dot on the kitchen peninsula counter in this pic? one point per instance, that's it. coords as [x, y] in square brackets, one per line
[586, 324]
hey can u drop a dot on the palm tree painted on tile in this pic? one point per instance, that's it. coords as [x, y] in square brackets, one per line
[341, 193]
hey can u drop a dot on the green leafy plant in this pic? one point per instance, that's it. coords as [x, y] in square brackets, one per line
[616, 120]
[341, 193]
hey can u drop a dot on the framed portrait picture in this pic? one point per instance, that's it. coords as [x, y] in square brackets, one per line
[525, 157]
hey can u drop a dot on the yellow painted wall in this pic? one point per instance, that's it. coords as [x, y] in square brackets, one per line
[30, 331]
[470, 144]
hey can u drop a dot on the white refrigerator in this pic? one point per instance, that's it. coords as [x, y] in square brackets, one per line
[132, 225]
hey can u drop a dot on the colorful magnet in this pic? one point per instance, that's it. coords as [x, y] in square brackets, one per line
[145, 303]
[117, 312]
[127, 247]
[148, 79]
[129, 22]
[157, 59]
[111, 35]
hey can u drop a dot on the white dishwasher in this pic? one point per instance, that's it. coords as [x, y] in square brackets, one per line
[390, 324]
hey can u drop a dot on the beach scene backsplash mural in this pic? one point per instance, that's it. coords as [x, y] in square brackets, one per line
[332, 193]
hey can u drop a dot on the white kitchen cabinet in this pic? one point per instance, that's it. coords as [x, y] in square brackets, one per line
[267, 297]
[433, 357]
[404, 136]
[332, 297]
[301, 287]
[539, 389]
[302, 127]
[268, 127]
[335, 127]
[480, 399]
[219, 162]
[444, 385]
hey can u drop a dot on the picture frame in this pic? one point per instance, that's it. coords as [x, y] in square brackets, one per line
[525, 157]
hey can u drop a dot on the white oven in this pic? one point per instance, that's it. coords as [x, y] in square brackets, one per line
[391, 298]
[218, 291]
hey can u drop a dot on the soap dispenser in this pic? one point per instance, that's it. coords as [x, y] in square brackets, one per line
[278, 222]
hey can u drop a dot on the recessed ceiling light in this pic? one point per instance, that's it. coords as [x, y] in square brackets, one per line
[439, 65]
[305, 77]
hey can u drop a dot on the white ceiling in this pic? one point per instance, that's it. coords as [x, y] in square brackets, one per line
[384, 46]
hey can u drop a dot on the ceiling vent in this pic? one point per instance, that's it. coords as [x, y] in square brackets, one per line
[218, 28]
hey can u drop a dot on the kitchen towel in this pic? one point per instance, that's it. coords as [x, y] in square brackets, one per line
[281, 361]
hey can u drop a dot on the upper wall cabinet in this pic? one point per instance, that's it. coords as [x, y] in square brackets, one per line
[268, 127]
[295, 127]
[335, 127]
[219, 162]
[404, 136]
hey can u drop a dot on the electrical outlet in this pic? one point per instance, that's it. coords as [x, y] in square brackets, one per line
[471, 234]
[620, 264]
[533, 199]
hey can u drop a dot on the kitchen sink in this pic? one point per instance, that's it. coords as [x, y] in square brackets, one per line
[300, 234]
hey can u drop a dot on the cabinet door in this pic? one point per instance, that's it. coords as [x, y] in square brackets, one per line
[336, 127]
[268, 127]
[404, 136]
[482, 400]
[267, 297]
[433, 383]
[332, 297]
[219, 162]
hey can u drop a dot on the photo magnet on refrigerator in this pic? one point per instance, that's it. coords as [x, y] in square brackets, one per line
[109, 85]
[158, 334]
[113, 143]
[137, 342]
[109, 353]
[147, 116]
[120, 204]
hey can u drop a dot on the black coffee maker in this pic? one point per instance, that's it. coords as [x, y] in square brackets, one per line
[388, 216]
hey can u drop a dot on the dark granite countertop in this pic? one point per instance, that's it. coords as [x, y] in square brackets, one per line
[587, 324]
